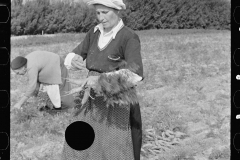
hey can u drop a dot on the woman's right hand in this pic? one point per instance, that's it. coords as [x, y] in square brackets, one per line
[77, 62]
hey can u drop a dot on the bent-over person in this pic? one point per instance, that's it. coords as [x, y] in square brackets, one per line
[48, 70]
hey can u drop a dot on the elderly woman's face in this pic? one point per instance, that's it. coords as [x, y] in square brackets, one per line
[107, 16]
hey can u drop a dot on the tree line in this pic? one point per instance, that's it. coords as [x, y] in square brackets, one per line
[48, 17]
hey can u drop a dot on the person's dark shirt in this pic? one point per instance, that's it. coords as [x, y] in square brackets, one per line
[125, 47]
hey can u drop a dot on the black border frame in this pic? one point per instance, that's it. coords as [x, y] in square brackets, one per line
[235, 84]
[5, 79]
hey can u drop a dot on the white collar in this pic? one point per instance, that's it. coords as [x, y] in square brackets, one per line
[113, 32]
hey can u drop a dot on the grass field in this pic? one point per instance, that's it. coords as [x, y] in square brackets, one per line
[186, 92]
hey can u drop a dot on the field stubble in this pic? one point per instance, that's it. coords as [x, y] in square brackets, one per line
[185, 99]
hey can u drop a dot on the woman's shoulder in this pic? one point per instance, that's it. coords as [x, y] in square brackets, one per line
[129, 33]
[91, 31]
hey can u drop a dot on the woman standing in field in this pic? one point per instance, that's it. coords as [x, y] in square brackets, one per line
[112, 54]
[46, 69]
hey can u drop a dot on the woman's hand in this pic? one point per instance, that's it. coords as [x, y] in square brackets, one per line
[92, 80]
[78, 82]
[16, 106]
[77, 62]
[74, 90]
[88, 83]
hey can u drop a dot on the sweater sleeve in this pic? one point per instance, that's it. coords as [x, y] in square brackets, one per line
[132, 55]
[82, 48]
[32, 82]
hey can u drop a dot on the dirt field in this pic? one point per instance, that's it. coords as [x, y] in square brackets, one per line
[185, 99]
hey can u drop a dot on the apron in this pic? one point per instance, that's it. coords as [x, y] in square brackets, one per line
[112, 127]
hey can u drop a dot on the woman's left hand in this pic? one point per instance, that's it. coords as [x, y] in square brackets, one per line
[91, 80]
[88, 83]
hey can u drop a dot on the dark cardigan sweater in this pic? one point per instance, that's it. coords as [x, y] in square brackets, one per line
[125, 47]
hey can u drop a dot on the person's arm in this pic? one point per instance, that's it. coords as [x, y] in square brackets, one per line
[31, 91]
[132, 55]
[32, 87]
[20, 103]
[79, 54]
[82, 48]
[74, 61]
[32, 81]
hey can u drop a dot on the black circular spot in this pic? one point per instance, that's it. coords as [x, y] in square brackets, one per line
[79, 135]
[236, 57]
[236, 141]
[236, 99]
[236, 14]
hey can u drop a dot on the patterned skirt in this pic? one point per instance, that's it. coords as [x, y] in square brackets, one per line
[113, 140]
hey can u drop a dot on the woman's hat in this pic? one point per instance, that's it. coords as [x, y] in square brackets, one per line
[18, 62]
[116, 4]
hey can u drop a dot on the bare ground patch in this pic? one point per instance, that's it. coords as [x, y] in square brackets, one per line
[185, 100]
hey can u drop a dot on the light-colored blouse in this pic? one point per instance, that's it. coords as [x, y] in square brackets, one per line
[42, 67]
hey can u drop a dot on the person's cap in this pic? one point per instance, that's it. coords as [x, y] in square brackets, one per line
[18, 62]
[116, 4]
